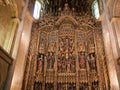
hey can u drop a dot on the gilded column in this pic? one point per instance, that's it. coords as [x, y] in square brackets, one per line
[88, 75]
[44, 73]
[97, 61]
[77, 63]
[55, 77]
[56, 58]
[87, 65]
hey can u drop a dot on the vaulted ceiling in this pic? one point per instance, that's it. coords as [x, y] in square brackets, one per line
[52, 6]
[83, 6]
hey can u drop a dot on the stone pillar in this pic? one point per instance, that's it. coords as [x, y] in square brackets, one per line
[115, 22]
[109, 55]
[110, 47]
[116, 28]
[22, 51]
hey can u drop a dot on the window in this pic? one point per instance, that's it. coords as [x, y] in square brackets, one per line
[95, 9]
[37, 9]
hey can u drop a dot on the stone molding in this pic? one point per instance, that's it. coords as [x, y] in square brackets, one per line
[5, 56]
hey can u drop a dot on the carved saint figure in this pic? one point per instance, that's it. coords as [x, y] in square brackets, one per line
[92, 62]
[63, 67]
[49, 86]
[81, 46]
[39, 63]
[94, 86]
[51, 47]
[59, 66]
[91, 47]
[41, 50]
[37, 86]
[82, 60]
[72, 66]
[71, 46]
[84, 86]
[51, 60]
[61, 47]
[68, 66]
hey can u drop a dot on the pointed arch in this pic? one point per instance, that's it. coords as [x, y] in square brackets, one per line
[116, 8]
[66, 18]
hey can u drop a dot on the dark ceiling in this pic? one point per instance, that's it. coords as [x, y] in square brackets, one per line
[52, 6]
[80, 6]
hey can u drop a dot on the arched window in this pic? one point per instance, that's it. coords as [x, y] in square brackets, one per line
[95, 9]
[37, 9]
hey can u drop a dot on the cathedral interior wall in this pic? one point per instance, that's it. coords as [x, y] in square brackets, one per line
[15, 31]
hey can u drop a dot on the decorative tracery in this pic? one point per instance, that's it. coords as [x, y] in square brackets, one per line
[67, 56]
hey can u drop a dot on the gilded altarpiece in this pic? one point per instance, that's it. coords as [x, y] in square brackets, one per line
[67, 56]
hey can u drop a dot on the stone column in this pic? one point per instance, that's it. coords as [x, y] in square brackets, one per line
[23, 43]
[115, 22]
[109, 55]
[116, 28]
[110, 47]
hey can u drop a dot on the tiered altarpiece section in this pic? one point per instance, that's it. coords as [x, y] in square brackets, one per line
[66, 53]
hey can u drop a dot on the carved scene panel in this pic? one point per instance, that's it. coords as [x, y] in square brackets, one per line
[42, 42]
[66, 56]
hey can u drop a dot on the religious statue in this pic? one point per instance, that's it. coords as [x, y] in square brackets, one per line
[61, 87]
[66, 7]
[92, 62]
[91, 48]
[41, 49]
[94, 86]
[39, 64]
[68, 66]
[37, 86]
[51, 60]
[71, 46]
[59, 65]
[51, 47]
[49, 86]
[63, 67]
[84, 86]
[82, 60]
[73, 67]
[81, 47]
[61, 47]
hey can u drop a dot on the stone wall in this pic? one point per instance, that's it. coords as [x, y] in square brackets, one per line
[5, 62]
[110, 18]
[5, 22]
